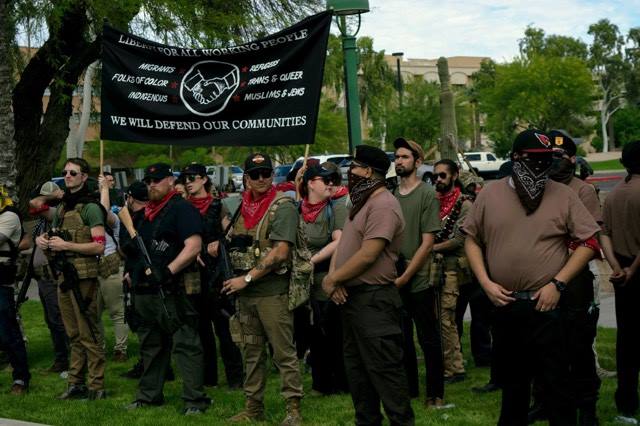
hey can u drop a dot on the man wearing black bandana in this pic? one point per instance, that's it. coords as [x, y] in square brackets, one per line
[578, 307]
[517, 232]
[361, 280]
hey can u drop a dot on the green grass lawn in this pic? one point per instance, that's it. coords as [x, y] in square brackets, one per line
[41, 406]
[606, 165]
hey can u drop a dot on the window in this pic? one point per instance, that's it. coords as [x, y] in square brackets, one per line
[490, 157]
[472, 157]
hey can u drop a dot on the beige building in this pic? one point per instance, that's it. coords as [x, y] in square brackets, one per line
[460, 68]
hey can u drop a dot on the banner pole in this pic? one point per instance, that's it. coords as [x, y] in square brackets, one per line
[101, 156]
[306, 155]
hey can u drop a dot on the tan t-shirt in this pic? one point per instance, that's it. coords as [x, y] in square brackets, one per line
[621, 214]
[380, 217]
[587, 194]
[524, 252]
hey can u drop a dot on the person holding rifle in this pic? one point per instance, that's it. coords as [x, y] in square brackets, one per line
[209, 302]
[168, 239]
[73, 246]
[10, 335]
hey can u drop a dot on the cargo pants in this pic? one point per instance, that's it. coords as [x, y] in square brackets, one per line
[267, 319]
[452, 353]
[83, 349]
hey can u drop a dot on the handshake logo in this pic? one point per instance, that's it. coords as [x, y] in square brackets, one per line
[207, 87]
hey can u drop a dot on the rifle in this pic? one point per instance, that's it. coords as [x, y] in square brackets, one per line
[26, 282]
[224, 269]
[71, 280]
[125, 219]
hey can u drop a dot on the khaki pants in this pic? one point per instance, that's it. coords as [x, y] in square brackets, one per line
[268, 319]
[110, 297]
[450, 339]
[83, 348]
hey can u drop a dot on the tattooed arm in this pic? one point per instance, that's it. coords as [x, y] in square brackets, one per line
[272, 261]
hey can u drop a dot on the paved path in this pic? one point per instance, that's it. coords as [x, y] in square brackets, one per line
[9, 422]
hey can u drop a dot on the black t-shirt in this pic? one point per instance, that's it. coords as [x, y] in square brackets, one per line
[178, 223]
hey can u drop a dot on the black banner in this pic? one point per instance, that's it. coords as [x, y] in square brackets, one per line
[265, 92]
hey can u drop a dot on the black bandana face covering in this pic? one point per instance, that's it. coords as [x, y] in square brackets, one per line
[530, 177]
[562, 170]
[360, 188]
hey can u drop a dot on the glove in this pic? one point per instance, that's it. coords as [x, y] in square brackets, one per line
[160, 276]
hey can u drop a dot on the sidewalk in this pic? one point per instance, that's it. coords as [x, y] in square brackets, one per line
[9, 422]
[603, 156]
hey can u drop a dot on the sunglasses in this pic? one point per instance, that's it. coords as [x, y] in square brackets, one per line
[441, 175]
[355, 164]
[70, 172]
[256, 174]
[151, 180]
[327, 180]
[191, 178]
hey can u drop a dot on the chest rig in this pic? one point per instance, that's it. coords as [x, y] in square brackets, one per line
[71, 227]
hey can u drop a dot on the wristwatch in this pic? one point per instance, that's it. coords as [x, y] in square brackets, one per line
[248, 278]
[561, 286]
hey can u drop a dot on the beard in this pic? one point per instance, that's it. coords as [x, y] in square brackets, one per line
[156, 195]
[444, 188]
[404, 171]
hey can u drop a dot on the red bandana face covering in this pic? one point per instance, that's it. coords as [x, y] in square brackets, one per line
[253, 210]
[447, 201]
[202, 203]
[153, 207]
[310, 211]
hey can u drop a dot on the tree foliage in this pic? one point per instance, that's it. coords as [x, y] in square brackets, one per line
[543, 92]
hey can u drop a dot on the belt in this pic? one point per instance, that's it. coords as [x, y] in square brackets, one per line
[523, 295]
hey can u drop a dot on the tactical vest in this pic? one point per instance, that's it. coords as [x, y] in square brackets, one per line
[73, 225]
[9, 267]
[246, 258]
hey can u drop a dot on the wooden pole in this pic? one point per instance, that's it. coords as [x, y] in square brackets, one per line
[101, 156]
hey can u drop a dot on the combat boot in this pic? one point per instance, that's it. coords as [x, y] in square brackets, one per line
[253, 412]
[293, 417]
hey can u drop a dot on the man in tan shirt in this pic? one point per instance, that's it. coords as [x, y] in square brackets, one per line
[621, 243]
[519, 226]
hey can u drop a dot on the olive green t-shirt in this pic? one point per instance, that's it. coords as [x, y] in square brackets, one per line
[420, 209]
[318, 234]
[283, 227]
[91, 215]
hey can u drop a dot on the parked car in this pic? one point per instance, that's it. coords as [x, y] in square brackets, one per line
[486, 164]
[280, 173]
[334, 158]
[236, 177]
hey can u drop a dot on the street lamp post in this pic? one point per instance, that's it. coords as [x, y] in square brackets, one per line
[398, 56]
[342, 9]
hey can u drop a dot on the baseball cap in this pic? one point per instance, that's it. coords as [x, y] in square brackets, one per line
[194, 169]
[257, 161]
[49, 188]
[532, 140]
[316, 171]
[412, 146]
[158, 171]
[561, 141]
[373, 157]
[138, 191]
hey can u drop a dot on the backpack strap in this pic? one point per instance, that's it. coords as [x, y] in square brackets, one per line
[263, 225]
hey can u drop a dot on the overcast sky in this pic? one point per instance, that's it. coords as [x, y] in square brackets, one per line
[432, 28]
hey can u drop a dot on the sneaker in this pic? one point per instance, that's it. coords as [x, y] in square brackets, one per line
[75, 392]
[456, 378]
[437, 404]
[58, 367]
[135, 372]
[626, 420]
[119, 356]
[488, 388]
[605, 374]
[97, 394]
[19, 388]
[192, 411]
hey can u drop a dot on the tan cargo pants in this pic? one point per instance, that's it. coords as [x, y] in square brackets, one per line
[82, 346]
[267, 319]
[450, 340]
